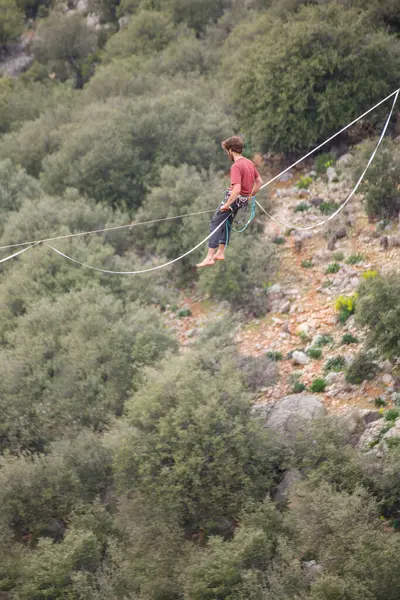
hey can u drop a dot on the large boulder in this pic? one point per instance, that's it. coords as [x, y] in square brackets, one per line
[291, 413]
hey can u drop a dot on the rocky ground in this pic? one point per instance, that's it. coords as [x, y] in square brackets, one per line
[302, 296]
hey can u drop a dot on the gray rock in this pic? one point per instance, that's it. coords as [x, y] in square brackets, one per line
[388, 379]
[123, 22]
[313, 569]
[331, 174]
[299, 358]
[370, 435]
[15, 65]
[290, 479]
[82, 6]
[332, 378]
[285, 307]
[93, 21]
[286, 176]
[345, 160]
[386, 366]
[275, 289]
[291, 413]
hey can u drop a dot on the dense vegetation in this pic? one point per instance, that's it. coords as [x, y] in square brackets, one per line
[130, 470]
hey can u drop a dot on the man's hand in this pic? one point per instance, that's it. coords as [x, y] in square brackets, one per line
[225, 208]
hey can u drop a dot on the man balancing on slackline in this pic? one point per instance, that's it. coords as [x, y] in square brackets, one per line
[245, 183]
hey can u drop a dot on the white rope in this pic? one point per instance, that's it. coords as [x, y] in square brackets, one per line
[341, 207]
[142, 270]
[71, 235]
[395, 93]
[63, 237]
[16, 253]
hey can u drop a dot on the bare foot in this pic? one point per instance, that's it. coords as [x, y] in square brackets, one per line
[207, 262]
[219, 256]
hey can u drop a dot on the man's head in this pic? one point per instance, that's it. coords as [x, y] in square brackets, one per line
[232, 145]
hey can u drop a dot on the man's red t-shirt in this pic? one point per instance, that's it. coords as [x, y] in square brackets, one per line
[244, 172]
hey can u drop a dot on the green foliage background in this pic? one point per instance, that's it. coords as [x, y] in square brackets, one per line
[131, 469]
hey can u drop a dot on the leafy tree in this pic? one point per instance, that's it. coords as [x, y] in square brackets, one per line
[66, 44]
[378, 309]
[11, 22]
[302, 79]
[147, 32]
[75, 352]
[197, 13]
[194, 448]
[139, 137]
[380, 186]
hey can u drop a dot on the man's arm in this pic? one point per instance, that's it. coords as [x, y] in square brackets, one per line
[257, 185]
[235, 193]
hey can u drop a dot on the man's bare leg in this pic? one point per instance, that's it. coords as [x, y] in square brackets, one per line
[220, 255]
[209, 259]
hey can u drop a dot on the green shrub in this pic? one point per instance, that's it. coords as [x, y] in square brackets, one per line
[323, 340]
[242, 280]
[348, 338]
[323, 161]
[379, 311]
[381, 187]
[275, 356]
[392, 414]
[259, 371]
[302, 207]
[314, 353]
[354, 259]
[11, 22]
[328, 208]
[307, 264]
[335, 364]
[345, 306]
[332, 268]
[304, 182]
[193, 447]
[338, 256]
[67, 46]
[318, 385]
[327, 283]
[279, 241]
[379, 402]
[361, 369]
[312, 109]
[184, 312]
[298, 387]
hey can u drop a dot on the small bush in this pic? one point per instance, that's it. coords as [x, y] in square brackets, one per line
[327, 208]
[304, 182]
[279, 240]
[335, 364]
[361, 369]
[259, 371]
[338, 256]
[345, 306]
[318, 385]
[323, 162]
[275, 356]
[379, 310]
[314, 353]
[354, 259]
[392, 414]
[332, 268]
[349, 339]
[323, 340]
[327, 283]
[307, 264]
[370, 274]
[302, 207]
[379, 402]
[298, 387]
[184, 312]
[381, 192]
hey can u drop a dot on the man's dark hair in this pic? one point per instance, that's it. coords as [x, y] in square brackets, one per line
[234, 143]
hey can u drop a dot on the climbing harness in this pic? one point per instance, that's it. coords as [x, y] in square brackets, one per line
[245, 219]
[31, 244]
